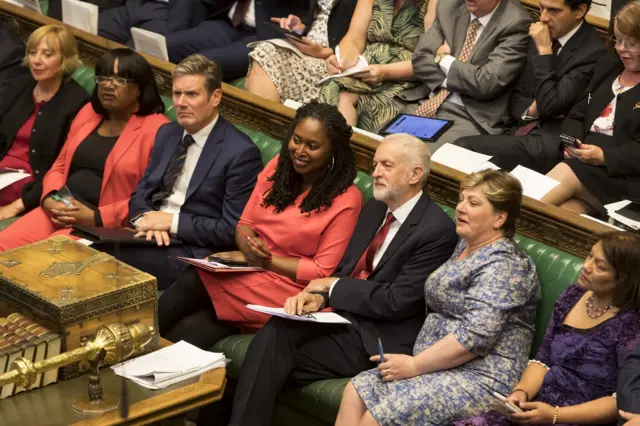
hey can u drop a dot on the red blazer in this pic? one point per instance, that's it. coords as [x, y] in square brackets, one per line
[125, 164]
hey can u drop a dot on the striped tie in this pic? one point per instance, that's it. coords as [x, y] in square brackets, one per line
[430, 107]
[173, 170]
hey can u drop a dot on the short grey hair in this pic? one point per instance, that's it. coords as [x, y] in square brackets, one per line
[415, 150]
[200, 65]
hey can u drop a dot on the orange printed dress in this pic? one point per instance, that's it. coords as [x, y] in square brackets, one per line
[318, 239]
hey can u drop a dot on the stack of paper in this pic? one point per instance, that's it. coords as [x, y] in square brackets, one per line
[81, 15]
[9, 176]
[534, 184]
[618, 211]
[151, 43]
[359, 66]
[169, 365]
[209, 265]
[462, 159]
[322, 317]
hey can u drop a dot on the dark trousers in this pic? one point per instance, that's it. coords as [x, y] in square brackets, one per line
[539, 151]
[294, 353]
[185, 312]
[218, 40]
[115, 24]
[153, 260]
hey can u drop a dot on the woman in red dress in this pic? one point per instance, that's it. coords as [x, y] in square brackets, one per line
[296, 226]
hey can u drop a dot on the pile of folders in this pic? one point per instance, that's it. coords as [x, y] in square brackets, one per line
[22, 337]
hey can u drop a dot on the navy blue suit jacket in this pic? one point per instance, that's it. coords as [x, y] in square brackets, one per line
[221, 184]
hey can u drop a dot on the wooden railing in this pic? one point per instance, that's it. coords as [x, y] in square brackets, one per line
[549, 224]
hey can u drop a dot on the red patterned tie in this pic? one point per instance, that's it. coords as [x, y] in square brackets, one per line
[430, 107]
[364, 268]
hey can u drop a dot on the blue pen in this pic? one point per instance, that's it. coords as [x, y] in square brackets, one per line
[381, 351]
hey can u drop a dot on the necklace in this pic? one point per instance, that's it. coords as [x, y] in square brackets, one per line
[39, 97]
[594, 312]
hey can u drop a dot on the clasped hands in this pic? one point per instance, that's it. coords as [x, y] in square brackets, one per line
[590, 154]
[534, 412]
[155, 225]
[64, 216]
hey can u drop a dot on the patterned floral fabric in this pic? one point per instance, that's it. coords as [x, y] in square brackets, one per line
[583, 364]
[605, 122]
[488, 302]
[294, 75]
[391, 37]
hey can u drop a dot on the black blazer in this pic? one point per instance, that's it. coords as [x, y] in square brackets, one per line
[49, 130]
[556, 82]
[622, 150]
[391, 304]
[11, 55]
[628, 389]
[339, 19]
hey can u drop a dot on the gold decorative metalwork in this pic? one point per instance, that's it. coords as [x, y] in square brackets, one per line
[10, 263]
[56, 245]
[65, 269]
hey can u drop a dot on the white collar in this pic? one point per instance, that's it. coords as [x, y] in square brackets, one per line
[402, 212]
[565, 38]
[486, 18]
[200, 137]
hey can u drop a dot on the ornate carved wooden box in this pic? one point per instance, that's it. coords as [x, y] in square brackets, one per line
[73, 289]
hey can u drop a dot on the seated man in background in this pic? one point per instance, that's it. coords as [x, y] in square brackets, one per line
[467, 61]
[563, 51]
[400, 238]
[200, 176]
[628, 389]
[55, 6]
[11, 56]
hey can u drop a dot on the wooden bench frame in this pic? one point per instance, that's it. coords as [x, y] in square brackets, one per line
[551, 225]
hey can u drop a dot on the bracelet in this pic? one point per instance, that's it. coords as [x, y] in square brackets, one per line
[325, 298]
[555, 415]
[526, 394]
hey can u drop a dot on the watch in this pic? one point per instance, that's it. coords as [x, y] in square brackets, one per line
[438, 58]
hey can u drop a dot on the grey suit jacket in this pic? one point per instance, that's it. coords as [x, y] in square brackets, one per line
[496, 60]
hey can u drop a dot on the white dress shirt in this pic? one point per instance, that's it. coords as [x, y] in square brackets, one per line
[400, 214]
[173, 203]
[448, 60]
[249, 18]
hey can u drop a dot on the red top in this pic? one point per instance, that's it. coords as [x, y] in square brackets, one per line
[318, 239]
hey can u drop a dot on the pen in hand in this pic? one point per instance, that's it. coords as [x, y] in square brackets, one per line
[338, 59]
[253, 243]
[381, 351]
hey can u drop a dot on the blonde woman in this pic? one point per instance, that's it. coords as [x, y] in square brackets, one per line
[43, 104]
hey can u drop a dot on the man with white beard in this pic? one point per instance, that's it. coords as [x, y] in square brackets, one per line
[401, 237]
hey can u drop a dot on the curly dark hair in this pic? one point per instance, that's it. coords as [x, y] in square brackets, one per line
[339, 175]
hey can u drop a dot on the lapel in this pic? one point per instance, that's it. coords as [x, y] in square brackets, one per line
[572, 45]
[490, 28]
[405, 230]
[603, 94]
[173, 139]
[366, 235]
[208, 156]
[627, 106]
[460, 26]
[126, 139]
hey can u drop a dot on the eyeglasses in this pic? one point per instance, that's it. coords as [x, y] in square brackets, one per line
[116, 81]
[627, 43]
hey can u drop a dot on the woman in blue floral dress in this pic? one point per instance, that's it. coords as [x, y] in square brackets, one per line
[476, 339]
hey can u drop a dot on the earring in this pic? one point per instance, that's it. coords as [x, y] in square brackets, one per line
[333, 163]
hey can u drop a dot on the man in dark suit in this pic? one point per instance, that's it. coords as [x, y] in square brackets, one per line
[201, 173]
[11, 56]
[55, 6]
[158, 16]
[563, 51]
[467, 62]
[628, 390]
[400, 238]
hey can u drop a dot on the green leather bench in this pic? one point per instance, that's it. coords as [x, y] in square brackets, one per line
[317, 403]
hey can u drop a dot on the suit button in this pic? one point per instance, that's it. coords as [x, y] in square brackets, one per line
[37, 172]
[39, 112]
[33, 131]
[33, 151]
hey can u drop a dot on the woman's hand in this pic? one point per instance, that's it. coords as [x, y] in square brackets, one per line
[632, 419]
[50, 207]
[332, 64]
[12, 209]
[396, 367]
[372, 75]
[254, 250]
[517, 397]
[590, 154]
[291, 22]
[77, 214]
[309, 47]
[536, 413]
[235, 256]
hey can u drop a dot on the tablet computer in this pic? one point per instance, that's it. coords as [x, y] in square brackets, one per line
[425, 128]
[283, 30]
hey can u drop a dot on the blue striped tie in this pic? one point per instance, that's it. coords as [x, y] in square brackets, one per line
[173, 170]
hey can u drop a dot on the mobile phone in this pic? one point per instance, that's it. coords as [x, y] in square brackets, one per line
[510, 406]
[569, 141]
[59, 199]
[284, 31]
[227, 262]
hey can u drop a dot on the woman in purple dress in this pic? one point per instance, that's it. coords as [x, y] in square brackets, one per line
[594, 326]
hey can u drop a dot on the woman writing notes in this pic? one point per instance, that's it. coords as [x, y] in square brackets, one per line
[481, 306]
[33, 129]
[296, 225]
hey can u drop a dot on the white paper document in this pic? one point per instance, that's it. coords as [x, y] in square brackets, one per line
[212, 266]
[151, 43]
[169, 365]
[534, 184]
[27, 4]
[322, 317]
[586, 216]
[81, 15]
[359, 66]
[9, 176]
[612, 211]
[462, 159]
